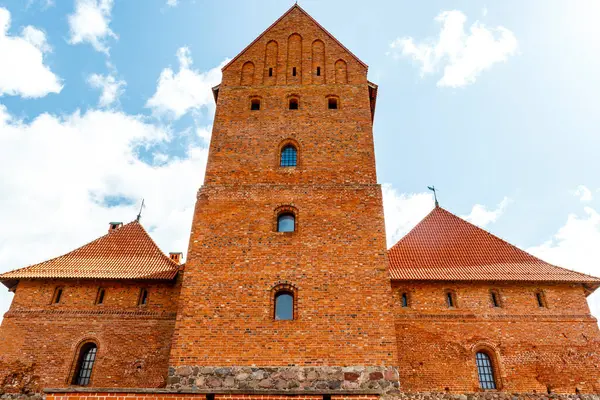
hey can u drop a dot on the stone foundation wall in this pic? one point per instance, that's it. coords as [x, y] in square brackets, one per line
[305, 379]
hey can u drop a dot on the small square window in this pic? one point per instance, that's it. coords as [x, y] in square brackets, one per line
[332, 103]
[255, 104]
[293, 104]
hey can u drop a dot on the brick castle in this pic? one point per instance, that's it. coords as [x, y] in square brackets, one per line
[288, 290]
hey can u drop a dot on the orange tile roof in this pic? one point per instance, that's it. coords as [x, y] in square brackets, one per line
[446, 247]
[125, 253]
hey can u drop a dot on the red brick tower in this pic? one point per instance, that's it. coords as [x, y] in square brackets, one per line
[292, 137]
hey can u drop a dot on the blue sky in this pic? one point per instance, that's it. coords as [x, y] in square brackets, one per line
[103, 103]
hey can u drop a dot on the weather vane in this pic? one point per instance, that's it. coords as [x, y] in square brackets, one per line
[432, 188]
[140, 213]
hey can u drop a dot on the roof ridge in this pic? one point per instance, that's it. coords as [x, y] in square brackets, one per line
[293, 7]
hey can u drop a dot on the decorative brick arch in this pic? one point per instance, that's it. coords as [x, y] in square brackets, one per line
[247, 76]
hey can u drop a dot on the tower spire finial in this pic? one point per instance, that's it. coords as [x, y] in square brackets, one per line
[432, 188]
[139, 216]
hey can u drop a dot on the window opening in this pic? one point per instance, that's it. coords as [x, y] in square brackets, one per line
[100, 297]
[485, 371]
[57, 295]
[85, 364]
[450, 299]
[284, 306]
[286, 223]
[255, 104]
[289, 156]
[404, 300]
[294, 71]
[495, 301]
[293, 104]
[332, 103]
[270, 71]
[143, 297]
[318, 71]
[540, 299]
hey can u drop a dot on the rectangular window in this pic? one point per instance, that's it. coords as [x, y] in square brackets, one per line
[294, 71]
[495, 300]
[100, 296]
[143, 299]
[255, 104]
[318, 71]
[450, 299]
[332, 103]
[57, 295]
[270, 71]
[540, 299]
[404, 300]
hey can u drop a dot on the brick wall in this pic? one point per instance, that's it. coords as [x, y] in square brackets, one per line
[39, 341]
[336, 259]
[554, 348]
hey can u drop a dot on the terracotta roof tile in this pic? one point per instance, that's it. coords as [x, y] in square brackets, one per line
[125, 253]
[446, 247]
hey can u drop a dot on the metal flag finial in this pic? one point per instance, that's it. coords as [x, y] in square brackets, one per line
[139, 216]
[432, 188]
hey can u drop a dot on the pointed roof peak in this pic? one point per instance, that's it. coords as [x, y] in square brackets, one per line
[127, 252]
[295, 6]
[443, 246]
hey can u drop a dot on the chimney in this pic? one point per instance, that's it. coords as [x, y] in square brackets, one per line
[113, 226]
[176, 257]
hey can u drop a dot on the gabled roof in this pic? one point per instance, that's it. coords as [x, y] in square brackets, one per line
[124, 253]
[444, 246]
[294, 7]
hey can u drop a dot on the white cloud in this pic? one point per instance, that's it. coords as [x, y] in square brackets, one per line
[462, 55]
[57, 171]
[186, 90]
[22, 69]
[481, 216]
[90, 23]
[403, 211]
[172, 3]
[110, 86]
[576, 245]
[584, 194]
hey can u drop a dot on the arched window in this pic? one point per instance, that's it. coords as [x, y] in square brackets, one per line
[286, 222]
[332, 103]
[85, 364]
[284, 305]
[485, 370]
[289, 156]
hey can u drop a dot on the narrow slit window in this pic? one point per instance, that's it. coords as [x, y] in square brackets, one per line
[485, 370]
[284, 305]
[318, 71]
[332, 103]
[495, 299]
[85, 364]
[539, 296]
[270, 71]
[143, 300]
[404, 300]
[57, 295]
[293, 71]
[100, 296]
[255, 104]
[450, 300]
[289, 156]
[293, 104]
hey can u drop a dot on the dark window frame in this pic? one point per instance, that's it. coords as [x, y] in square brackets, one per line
[333, 103]
[293, 103]
[294, 71]
[270, 71]
[451, 299]
[318, 71]
[278, 295]
[404, 300]
[288, 156]
[255, 104]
